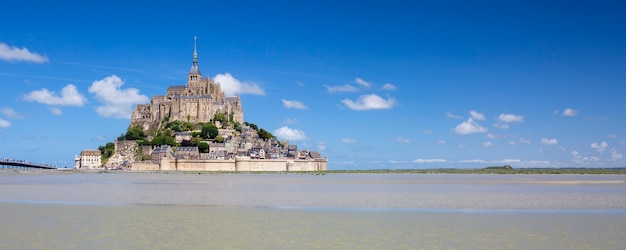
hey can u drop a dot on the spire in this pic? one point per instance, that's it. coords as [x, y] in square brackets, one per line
[194, 66]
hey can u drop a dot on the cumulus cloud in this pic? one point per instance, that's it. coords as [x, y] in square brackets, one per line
[293, 104]
[389, 86]
[453, 116]
[349, 141]
[600, 147]
[429, 161]
[505, 119]
[569, 112]
[476, 115]
[510, 118]
[469, 127]
[56, 111]
[290, 134]
[368, 102]
[10, 113]
[344, 88]
[403, 140]
[15, 54]
[442, 142]
[362, 82]
[116, 102]
[69, 97]
[486, 144]
[4, 123]
[523, 140]
[546, 141]
[321, 146]
[576, 154]
[232, 87]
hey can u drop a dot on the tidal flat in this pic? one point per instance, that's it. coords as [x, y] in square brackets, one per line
[50, 210]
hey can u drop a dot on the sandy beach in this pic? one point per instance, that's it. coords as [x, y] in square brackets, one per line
[377, 191]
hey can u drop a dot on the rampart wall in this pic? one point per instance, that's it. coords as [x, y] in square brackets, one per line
[238, 164]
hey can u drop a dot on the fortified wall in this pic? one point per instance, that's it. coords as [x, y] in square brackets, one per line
[239, 164]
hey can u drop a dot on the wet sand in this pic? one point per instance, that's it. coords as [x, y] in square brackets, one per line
[367, 191]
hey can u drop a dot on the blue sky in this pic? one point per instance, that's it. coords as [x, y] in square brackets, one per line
[369, 84]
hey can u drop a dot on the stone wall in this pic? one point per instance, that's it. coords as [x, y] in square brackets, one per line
[241, 164]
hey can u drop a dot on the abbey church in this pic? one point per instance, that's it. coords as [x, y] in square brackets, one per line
[198, 101]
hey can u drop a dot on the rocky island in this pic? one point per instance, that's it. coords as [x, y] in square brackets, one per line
[196, 127]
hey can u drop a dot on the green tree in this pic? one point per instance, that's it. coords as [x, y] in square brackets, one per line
[219, 117]
[203, 147]
[219, 139]
[187, 126]
[134, 133]
[209, 131]
[238, 127]
[264, 134]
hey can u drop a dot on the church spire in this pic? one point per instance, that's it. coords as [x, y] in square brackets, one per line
[194, 66]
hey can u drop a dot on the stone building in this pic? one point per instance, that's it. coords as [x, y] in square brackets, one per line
[89, 159]
[198, 101]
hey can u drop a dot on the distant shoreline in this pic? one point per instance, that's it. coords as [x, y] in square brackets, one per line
[609, 171]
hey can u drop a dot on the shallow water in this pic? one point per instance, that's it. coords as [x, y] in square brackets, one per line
[30, 225]
[272, 211]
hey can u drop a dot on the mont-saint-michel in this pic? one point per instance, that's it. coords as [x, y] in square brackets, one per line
[196, 127]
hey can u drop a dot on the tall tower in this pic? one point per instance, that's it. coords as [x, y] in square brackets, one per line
[194, 74]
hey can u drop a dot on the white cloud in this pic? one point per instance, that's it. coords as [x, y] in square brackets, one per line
[576, 154]
[344, 88]
[442, 142]
[290, 134]
[426, 131]
[10, 113]
[403, 140]
[362, 82]
[453, 116]
[546, 141]
[291, 120]
[429, 161]
[469, 127]
[612, 136]
[389, 86]
[473, 161]
[293, 104]
[349, 141]
[486, 144]
[4, 123]
[56, 111]
[600, 147]
[501, 125]
[523, 140]
[117, 102]
[510, 118]
[232, 87]
[505, 119]
[616, 155]
[476, 115]
[368, 102]
[69, 97]
[512, 143]
[569, 112]
[12, 54]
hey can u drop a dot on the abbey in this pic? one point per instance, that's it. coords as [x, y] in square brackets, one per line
[198, 101]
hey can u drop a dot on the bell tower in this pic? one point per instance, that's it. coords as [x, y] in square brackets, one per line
[194, 76]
